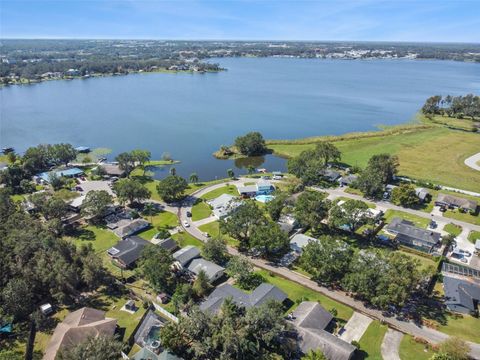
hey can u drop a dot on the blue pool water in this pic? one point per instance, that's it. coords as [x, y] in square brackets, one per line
[264, 198]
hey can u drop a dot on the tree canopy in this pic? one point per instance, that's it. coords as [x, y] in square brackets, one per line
[172, 188]
[251, 144]
[155, 266]
[129, 190]
[311, 208]
[352, 213]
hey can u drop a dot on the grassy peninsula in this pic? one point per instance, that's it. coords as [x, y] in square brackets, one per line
[426, 149]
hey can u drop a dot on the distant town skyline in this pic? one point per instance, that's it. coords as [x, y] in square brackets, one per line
[361, 20]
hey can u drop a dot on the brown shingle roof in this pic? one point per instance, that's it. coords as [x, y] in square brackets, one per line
[77, 327]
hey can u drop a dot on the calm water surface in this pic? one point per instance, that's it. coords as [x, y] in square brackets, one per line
[191, 115]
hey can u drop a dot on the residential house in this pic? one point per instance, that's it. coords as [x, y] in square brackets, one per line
[406, 233]
[299, 241]
[185, 255]
[461, 286]
[77, 327]
[311, 319]
[126, 252]
[451, 201]
[263, 293]
[330, 175]
[132, 228]
[347, 180]
[423, 194]
[212, 270]
[287, 223]
[112, 169]
[223, 205]
[76, 204]
[146, 354]
[70, 173]
[168, 244]
[263, 187]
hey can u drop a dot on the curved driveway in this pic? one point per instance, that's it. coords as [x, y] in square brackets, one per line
[473, 162]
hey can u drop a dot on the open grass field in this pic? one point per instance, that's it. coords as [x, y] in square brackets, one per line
[473, 236]
[227, 189]
[213, 229]
[424, 261]
[410, 349]
[297, 292]
[417, 220]
[200, 211]
[463, 326]
[371, 342]
[434, 154]
[460, 124]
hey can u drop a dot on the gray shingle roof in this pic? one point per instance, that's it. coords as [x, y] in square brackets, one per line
[461, 292]
[455, 201]
[186, 254]
[260, 295]
[129, 250]
[310, 320]
[134, 227]
[168, 244]
[211, 269]
[407, 230]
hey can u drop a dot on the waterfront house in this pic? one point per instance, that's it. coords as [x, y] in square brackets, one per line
[452, 202]
[69, 173]
[112, 170]
[77, 327]
[263, 187]
[406, 233]
[330, 175]
[126, 252]
[263, 293]
[212, 270]
[311, 321]
[299, 241]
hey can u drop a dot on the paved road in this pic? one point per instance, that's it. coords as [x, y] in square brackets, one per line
[385, 205]
[473, 162]
[355, 327]
[431, 335]
[391, 345]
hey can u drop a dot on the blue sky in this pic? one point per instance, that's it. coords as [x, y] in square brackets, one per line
[387, 20]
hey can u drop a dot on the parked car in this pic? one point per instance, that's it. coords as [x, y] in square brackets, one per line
[186, 224]
[206, 234]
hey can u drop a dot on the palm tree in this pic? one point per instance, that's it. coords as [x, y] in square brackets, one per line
[149, 210]
[193, 178]
[173, 171]
[250, 169]
[230, 173]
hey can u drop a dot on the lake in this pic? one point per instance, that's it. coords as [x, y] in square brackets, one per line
[191, 115]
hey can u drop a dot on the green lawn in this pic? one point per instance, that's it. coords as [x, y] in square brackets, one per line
[424, 261]
[473, 236]
[200, 210]
[453, 229]
[213, 229]
[369, 204]
[228, 189]
[410, 349]
[371, 342]
[184, 239]
[458, 215]
[464, 326]
[164, 219]
[297, 292]
[435, 154]
[417, 220]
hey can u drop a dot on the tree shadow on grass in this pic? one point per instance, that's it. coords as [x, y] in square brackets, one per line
[82, 234]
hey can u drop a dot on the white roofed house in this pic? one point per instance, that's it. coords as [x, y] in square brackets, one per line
[212, 270]
[223, 205]
[299, 241]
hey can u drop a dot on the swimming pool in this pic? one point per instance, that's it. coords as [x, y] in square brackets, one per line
[152, 340]
[264, 198]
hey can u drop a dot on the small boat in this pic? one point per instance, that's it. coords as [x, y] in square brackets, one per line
[7, 150]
